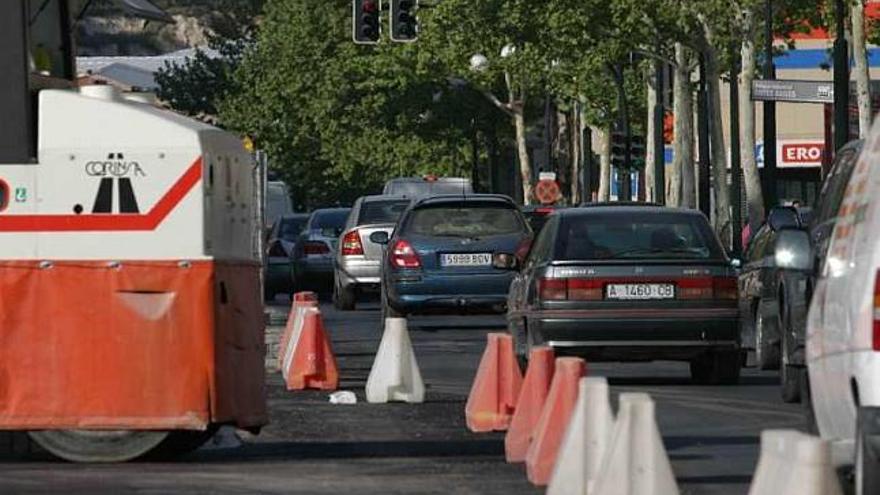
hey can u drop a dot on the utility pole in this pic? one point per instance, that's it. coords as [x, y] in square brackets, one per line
[624, 191]
[735, 160]
[659, 147]
[841, 79]
[769, 183]
[703, 188]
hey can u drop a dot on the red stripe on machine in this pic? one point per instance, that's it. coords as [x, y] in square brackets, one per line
[104, 223]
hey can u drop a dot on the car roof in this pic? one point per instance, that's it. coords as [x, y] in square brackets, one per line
[626, 208]
[425, 179]
[295, 216]
[330, 210]
[465, 198]
[384, 197]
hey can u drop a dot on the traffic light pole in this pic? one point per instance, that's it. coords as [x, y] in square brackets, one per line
[624, 190]
[703, 138]
[770, 192]
[659, 147]
[735, 161]
[841, 79]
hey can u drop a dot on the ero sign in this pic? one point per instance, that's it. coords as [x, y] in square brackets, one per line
[802, 154]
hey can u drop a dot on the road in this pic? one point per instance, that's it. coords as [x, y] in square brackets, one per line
[311, 446]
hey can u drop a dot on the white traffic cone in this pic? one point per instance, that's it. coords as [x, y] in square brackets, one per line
[776, 448]
[812, 473]
[586, 440]
[636, 462]
[395, 374]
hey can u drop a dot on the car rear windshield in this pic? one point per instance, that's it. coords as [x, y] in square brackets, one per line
[290, 228]
[636, 235]
[333, 219]
[373, 212]
[465, 221]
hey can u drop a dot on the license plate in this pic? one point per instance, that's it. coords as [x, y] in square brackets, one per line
[636, 292]
[466, 259]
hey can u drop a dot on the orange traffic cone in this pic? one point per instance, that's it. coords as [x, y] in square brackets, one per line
[294, 323]
[493, 396]
[530, 403]
[555, 417]
[313, 364]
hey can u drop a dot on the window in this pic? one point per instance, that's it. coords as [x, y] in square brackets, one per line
[466, 221]
[636, 235]
[835, 185]
[329, 220]
[290, 228]
[543, 245]
[375, 212]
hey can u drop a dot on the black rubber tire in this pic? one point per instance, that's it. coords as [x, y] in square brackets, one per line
[766, 352]
[98, 446]
[810, 423]
[387, 310]
[181, 442]
[344, 299]
[866, 470]
[789, 375]
[717, 368]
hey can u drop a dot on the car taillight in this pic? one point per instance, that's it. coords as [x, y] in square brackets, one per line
[351, 244]
[875, 337]
[725, 288]
[315, 247]
[584, 289]
[695, 288]
[570, 289]
[277, 250]
[404, 256]
[553, 289]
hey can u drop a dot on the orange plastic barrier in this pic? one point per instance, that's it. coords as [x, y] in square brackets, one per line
[496, 387]
[530, 403]
[300, 300]
[555, 417]
[131, 345]
[313, 365]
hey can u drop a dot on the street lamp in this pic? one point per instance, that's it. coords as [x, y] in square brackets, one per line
[479, 62]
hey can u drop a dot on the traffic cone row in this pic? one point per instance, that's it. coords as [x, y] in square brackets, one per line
[306, 359]
[563, 429]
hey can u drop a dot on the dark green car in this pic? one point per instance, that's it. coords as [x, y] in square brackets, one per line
[630, 283]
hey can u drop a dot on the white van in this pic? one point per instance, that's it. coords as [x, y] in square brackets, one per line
[843, 326]
[278, 202]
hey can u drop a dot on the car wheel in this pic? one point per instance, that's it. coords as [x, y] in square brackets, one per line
[789, 375]
[867, 464]
[343, 299]
[98, 446]
[717, 368]
[387, 310]
[766, 352]
[810, 423]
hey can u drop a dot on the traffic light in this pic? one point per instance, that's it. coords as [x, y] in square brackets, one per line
[637, 151]
[618, 149]
[404, 24]
[365, 21]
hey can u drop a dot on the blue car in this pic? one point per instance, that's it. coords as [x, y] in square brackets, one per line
[452, 254]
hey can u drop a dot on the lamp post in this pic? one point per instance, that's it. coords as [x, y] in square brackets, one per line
[841, 79]
[769, 186]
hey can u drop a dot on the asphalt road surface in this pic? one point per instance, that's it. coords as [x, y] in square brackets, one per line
[312, 446]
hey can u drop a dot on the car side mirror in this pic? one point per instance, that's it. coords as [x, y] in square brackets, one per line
[380, 238]
[784, 217]
[793, 251]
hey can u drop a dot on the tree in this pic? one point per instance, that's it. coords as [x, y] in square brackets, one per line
[862, 72]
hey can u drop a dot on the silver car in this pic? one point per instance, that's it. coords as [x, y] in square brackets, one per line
[358, 259]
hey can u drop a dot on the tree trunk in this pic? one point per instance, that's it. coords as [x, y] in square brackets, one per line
[604, 165]
[754, 194]
[863, 77]
[525, 164]
[682, 189]
[649, 138]
[716, 136]
[562, 150]
[576, 156]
